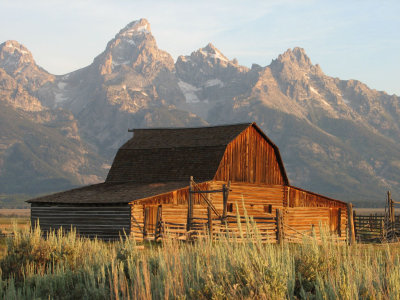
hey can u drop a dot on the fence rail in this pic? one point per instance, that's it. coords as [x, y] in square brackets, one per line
[376, 228]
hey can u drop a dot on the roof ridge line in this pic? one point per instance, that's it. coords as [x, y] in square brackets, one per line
[180, 147]
[198, 127]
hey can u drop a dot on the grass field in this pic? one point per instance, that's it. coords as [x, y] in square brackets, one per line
[15, 212]
[7, 224]
[68, 267]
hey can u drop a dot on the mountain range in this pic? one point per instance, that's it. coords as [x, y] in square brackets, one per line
[337, 137]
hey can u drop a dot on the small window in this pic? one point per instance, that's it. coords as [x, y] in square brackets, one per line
[268, 209]
[229, 208]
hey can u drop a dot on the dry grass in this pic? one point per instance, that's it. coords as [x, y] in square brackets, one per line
[15, 212]
[7, 224]
[64, 266]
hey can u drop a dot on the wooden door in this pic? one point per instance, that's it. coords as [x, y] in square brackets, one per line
[150, 218]
[335, 220]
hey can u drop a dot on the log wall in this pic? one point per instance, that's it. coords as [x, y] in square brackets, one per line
[103, 221]
[250, 158]
[303, 212]
[254, 200]
[300, 222]
[297, 197]
[174, 207]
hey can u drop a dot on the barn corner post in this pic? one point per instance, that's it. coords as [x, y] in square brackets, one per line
[279, 227]
[339, 225]
[158, 229]
[225, 194]
[190, 205]
[209, 222]
[145, 222]
[350, 224]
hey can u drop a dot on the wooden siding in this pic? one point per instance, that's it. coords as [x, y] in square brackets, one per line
[104, 221]
[305, 221]
[174, 206]
[257, 201]
[304, 213]
[297, 197]
[254, 196]
[250, 158]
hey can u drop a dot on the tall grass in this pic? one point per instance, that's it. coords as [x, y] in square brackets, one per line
[65, 266]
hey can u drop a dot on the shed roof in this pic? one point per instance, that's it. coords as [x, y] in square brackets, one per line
[110, 193]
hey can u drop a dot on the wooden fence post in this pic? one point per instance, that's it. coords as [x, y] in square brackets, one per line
[279, 227]
[210, 225]
[157, 230]
[145, 221]
[190, 206]
[225, 202]
[355, 225]
[350, 224]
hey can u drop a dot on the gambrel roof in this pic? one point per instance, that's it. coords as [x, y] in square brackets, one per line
[160, 160]
[175, 154]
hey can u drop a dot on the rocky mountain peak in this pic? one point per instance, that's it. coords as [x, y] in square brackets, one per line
[134, 46]
[294, 65]
[297, 56]
[211, 52]
[134, 29]
[13, 55]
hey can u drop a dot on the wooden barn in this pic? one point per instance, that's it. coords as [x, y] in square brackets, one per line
[187, 182]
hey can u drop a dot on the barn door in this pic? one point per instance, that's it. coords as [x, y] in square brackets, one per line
[150, 220]
[335, 220]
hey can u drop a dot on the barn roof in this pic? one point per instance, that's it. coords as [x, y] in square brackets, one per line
[173, 154]
[156, 161]
[111, 193]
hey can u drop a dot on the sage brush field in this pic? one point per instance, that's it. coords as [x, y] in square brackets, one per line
[64, 266]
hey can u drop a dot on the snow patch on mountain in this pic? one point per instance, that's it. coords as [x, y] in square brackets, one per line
[346, 101]
[314, 91]
[61, 85]
[59, 98]
[214, 82]
[189, 91]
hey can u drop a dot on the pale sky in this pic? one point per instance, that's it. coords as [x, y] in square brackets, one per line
[349, 39]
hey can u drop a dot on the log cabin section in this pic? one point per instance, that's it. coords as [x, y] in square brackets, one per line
[147, 194]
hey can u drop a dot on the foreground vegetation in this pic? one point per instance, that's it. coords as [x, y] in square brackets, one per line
[64, 266]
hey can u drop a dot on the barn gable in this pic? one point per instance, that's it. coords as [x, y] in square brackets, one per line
[252, 157]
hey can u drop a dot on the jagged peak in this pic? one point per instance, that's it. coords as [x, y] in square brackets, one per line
[14, 48]
[135, 28]
[14, 55]
[211, 51]
[296, 55]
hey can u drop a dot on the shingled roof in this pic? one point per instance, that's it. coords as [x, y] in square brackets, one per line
[157, 161]
[110, 193]
[172, 154]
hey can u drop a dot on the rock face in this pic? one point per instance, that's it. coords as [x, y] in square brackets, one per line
[337, 137]
[40, 148]
[131, 84]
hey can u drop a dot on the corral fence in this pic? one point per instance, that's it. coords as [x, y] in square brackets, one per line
[376, 228]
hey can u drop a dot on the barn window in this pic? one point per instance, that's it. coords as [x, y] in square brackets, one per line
[268, 208]
[230, 207]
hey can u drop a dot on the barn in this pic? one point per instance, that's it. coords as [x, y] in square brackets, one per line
[189, 182]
